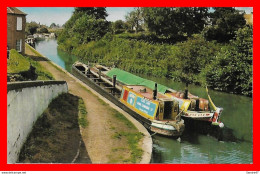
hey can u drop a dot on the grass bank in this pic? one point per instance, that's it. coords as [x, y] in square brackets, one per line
[56, 135]
[20, 67]
[133, 138]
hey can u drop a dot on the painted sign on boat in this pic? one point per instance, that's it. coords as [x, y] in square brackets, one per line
[145, 106]
[131, 98]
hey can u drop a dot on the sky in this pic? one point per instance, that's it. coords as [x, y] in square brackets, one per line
[59, 15]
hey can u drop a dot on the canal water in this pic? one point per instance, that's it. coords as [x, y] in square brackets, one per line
[235, 146]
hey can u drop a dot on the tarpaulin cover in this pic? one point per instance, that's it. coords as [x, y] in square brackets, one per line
[131, 79]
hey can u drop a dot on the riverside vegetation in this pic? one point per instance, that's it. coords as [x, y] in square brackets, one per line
[192, 45]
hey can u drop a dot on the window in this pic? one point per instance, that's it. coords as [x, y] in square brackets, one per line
[19, 45]
[19, 26]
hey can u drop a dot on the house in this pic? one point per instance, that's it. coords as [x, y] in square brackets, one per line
[16, 21]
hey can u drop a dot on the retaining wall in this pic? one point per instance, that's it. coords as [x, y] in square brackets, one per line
[26, 101]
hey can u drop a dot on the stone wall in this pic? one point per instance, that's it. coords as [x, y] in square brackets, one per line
[26, 101]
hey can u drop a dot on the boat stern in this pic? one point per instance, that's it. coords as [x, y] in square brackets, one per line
[216, 116]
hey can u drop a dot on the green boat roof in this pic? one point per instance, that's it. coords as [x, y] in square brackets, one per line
[131, 79]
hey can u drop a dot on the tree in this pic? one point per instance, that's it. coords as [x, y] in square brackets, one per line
[192, 57]
[31, 28]
[97, 12]
[53, 25]
[134, 19]
[175, 22]
[42, 30]
[224, 22]
[232, 69]
[85, 25]
[118, 26]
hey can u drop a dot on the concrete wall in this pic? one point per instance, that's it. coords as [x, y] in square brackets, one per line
[26, 101]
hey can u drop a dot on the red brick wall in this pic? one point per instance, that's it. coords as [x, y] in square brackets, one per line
[12, 34]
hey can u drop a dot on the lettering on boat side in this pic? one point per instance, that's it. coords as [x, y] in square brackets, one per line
[145, 106]
[199, 114]
[131, 98]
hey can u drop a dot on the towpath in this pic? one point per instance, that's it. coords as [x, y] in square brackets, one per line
[99, 135]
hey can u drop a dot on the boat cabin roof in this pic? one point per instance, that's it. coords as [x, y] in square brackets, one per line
[180, 95]
[146, 92]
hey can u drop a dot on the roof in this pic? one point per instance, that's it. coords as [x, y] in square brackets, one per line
[145, 91]
[14, 10]
[131, 79]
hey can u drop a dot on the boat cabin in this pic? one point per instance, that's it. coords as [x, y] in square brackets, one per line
[145, 102]
[192, 103]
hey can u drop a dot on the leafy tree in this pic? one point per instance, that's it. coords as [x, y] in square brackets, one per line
[97, 12]
[118, 26]
[31, 28]
[53, 25]
[84, 26]
[175, 22]
[42, 30]
[224, 22]
[134, 19]
[192, 57]
[232, 69]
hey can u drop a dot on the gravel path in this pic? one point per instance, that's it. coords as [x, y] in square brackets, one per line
[97, 136]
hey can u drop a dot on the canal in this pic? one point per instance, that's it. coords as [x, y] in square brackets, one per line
[235, 146]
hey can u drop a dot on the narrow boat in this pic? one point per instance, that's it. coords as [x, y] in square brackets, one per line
[192, 108]
[157, 112]
[196, 108]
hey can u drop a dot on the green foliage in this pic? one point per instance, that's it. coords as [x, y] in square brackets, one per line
[175, 23]
[232, 69]
[42, 29]
[132, 140]
[18, 63]
[123, 119]
[53, 25]
[82, 28]
[197, 59]
[97, 12]
[31, 28]
[224, 24]
[192, 57]
[119, 26]
[134, 19]
[82, 114]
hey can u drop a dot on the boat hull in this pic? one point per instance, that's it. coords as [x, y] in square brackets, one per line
[167, 129]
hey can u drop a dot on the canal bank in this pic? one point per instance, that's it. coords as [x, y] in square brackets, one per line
[236, 148]
[100, 135]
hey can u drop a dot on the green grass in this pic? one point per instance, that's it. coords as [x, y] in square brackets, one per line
[133, 138]
[41, 72]
[18, 63]
[82, 114]
[123, 119]
[34, 51]
[102, 102]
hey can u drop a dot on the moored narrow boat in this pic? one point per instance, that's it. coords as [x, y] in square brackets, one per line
[161, 110]
[191, 107]
[157, 112]
[196, 108]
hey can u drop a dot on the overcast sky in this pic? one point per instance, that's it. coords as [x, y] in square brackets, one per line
[59, 15]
